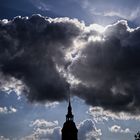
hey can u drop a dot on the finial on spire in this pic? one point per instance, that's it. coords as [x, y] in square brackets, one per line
[69, 101]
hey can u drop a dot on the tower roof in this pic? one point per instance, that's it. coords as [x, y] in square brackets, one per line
[69, 115]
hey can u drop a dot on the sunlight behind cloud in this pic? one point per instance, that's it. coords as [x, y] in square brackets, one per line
[96, 27]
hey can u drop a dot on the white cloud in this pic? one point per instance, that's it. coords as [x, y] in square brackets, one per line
[3, 138]
[100, 115]
[6, 110]
[129, 15]
[114, 13]
[110, 11]
[51, 104]
[3, 110]
[41, 123]
[12, 110]
[47, 130]
[118, 129]
[9, 84]
[88, 131]
[41, 5]
[44, 130]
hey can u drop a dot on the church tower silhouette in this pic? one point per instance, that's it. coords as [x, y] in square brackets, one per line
[69, 130]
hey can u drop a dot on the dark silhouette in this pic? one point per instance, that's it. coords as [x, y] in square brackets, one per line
[69, 130]
[137, 136]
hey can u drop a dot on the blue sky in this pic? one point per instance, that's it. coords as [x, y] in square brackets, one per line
[87, 47]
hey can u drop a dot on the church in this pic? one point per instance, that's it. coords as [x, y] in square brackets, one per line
[69, 130]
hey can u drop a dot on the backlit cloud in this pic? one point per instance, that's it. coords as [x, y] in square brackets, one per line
[44, 130]
[118, 129]
[52, 56]
[88, 131]
[100, 115]
[6, 110]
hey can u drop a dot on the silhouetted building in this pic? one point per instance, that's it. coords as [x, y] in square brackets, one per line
[69, 130]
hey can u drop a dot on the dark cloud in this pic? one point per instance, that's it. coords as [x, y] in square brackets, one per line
[49, 55]
[109, 69]
[29, 51]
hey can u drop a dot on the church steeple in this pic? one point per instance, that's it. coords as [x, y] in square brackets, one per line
[69, 115]
[69, 130]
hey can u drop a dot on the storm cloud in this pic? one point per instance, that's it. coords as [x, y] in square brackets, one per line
[53, 56]
[29, 51]
[109, 69]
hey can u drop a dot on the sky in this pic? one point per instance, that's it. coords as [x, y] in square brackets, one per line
[87, 48]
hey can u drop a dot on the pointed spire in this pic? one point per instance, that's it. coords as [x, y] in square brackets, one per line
[69, 115]
[69, 106]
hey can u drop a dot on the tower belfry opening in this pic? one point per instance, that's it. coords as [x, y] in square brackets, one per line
[69, 130]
